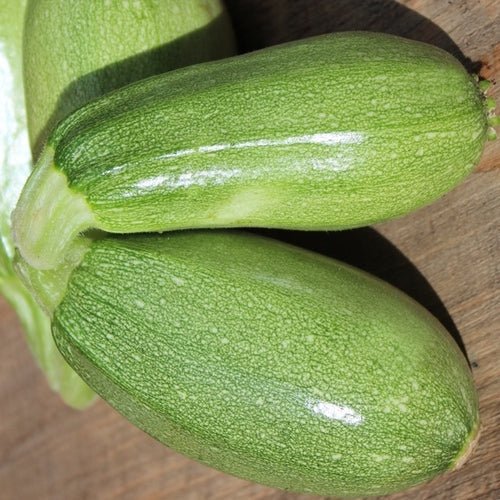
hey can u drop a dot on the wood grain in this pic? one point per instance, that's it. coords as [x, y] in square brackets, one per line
[446, 255]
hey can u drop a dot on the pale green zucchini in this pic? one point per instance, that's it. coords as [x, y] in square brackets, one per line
[74, 51]
[266, 361]
[332, 132]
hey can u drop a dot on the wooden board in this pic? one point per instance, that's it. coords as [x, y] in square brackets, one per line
[446, 255]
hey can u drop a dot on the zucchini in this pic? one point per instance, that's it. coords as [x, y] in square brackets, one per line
[332, 132]
[267, 361]
[74, 51]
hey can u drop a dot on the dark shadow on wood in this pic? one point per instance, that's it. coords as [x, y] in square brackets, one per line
[260, 23]
[367, 249]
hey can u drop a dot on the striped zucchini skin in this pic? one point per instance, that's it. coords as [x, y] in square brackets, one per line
[269, 362]
[332, 132]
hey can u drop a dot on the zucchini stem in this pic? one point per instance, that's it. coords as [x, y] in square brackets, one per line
[469, 446]
[48, 287]
[490, 105]
[49, 216]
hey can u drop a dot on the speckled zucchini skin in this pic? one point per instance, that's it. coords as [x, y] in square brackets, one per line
[333, 132]
[75, 51]
[268, 362]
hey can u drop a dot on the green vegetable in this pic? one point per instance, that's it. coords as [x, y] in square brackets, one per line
[266, 361]
[73, 52]
[327, 133]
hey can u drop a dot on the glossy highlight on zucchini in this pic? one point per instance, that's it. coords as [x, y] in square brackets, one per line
[268, 362]
[332, 132]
